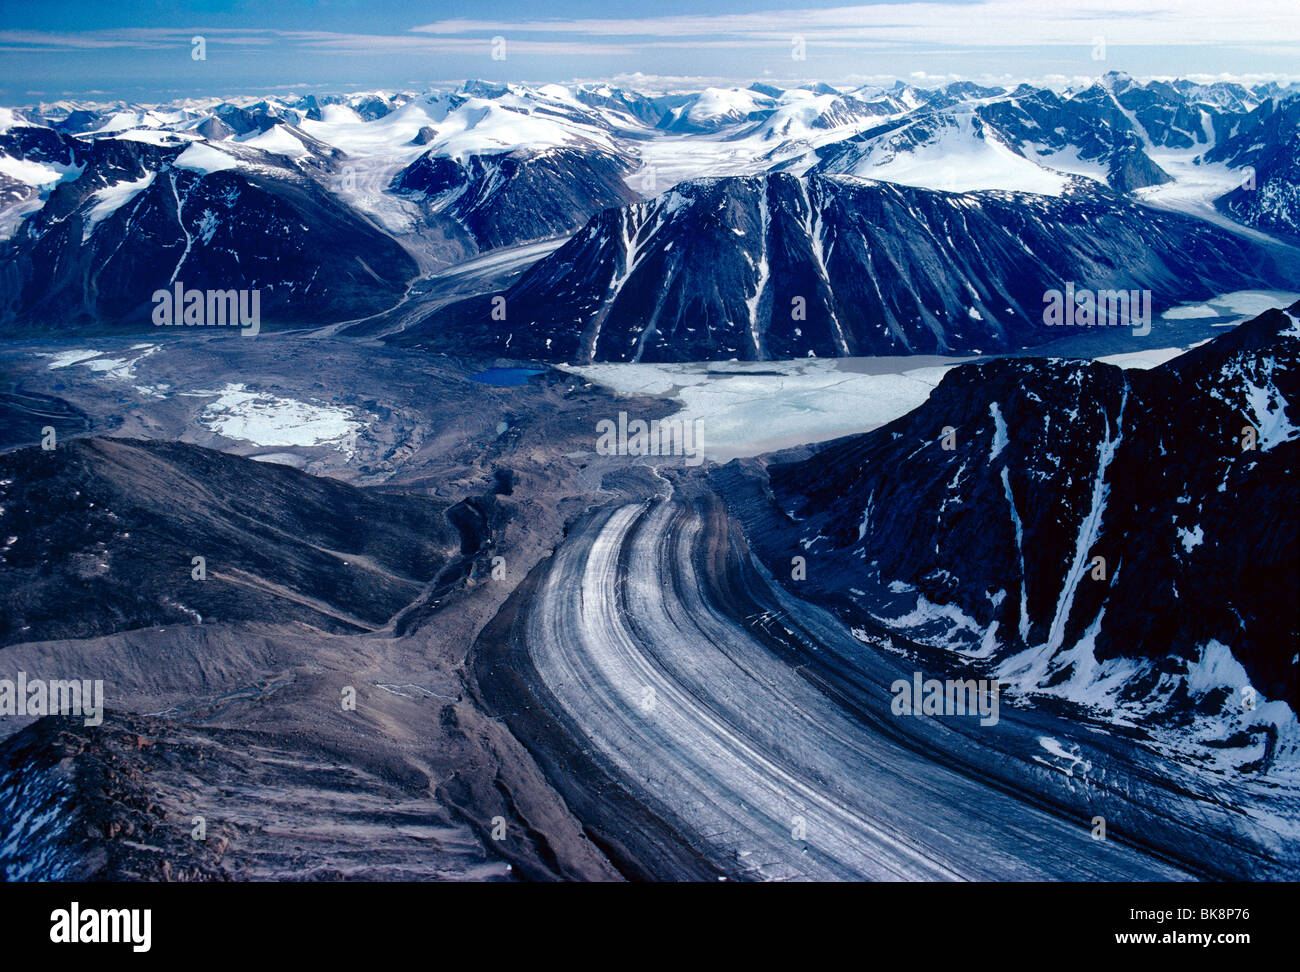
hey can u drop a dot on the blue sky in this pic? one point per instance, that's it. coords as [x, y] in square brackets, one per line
[141, 49]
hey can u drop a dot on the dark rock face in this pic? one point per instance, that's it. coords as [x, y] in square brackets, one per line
[269, 224]
[1268, 141]
[100, 535]
[41, 145]
[87, 804]
[87, 248]
[214, 129]
[249, 120]
[515, 197]
[1130, 168]
[1168, 116]
[771, 267]
[1053, 463]
[308, 256]
[79, 121]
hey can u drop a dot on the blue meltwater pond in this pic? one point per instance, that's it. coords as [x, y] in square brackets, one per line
[505, 376]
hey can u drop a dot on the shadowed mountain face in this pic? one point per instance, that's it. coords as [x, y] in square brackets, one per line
[100, 535]
[499, 200]
[72, 266]
[776, 267]
[330, 206]
[1268, 142]
[974, 522]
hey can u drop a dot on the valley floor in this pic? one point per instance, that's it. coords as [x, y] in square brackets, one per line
[635, 696]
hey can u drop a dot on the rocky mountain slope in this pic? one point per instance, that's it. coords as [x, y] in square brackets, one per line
[778, 267]
[335, 203]
[1114, 538]
[101, 534]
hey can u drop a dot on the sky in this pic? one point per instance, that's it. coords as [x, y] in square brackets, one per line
[147, 50]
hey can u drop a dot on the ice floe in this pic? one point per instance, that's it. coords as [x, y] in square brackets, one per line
[753, 407]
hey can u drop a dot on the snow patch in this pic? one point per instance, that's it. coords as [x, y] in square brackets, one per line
[999, 431]
[205, 159]
[268, 420]
[112, 198]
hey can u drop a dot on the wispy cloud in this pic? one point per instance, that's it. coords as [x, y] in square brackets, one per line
[309, 41]
[1000, 23]
[1269, 25]
[379, 44]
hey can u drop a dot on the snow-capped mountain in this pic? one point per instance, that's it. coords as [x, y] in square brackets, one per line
[777, 267]
[1266, 145]
[328, 207]
[362, 596]
[32, 160]
[141, 217]
[1117, 538]
[485, 201]
[716, 108]
[1087, 133]
[446, 175]
[1029, 136]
